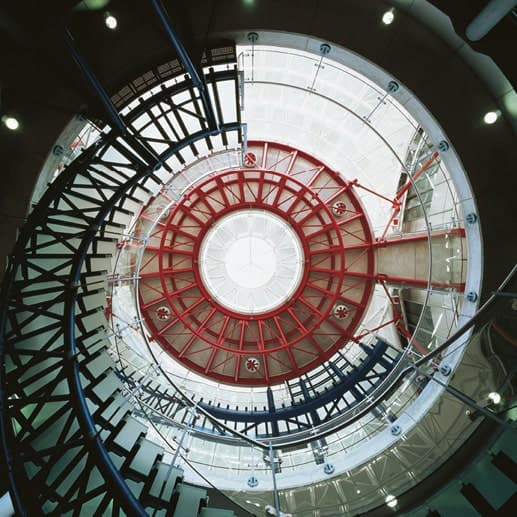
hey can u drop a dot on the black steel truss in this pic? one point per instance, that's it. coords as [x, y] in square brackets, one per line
[57, 388]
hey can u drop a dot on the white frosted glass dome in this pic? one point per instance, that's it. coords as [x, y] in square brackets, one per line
[251, 261]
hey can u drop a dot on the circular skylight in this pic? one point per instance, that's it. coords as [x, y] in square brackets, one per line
[251, 261]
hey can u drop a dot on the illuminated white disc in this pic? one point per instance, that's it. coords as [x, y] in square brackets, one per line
[251, 261]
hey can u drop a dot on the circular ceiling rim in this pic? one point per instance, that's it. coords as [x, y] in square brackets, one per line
[303, 42]
[440, 135]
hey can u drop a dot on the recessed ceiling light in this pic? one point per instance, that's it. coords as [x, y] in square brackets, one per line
[11, 123]
[388, 17]
[490, 117]
[110, 21]
[494, 397]
[391, 501]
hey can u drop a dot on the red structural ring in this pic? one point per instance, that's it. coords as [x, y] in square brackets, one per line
[294, 226]
[238, 206]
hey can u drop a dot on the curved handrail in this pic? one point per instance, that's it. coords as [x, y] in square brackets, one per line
[294, 410]
[312, 404]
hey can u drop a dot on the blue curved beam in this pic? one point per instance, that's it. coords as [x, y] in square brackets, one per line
[348, 383]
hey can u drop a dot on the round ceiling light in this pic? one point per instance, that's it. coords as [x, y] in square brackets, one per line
[110, 21]
[11, 123]
[491, 117]
[388, 17]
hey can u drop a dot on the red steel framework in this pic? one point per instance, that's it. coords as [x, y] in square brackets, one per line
[324, 311]
[338, 278]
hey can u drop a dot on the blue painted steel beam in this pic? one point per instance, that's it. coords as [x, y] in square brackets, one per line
[187, 64]
[150, 158]
[306, 397]
[272, 410]
[349, 382]
[111, 111]
[335, 368]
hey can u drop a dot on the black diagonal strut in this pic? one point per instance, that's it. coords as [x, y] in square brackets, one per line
[103, 96]
[116, 121]
[183, 56]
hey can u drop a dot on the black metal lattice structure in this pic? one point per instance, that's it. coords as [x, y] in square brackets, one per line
[71, 444]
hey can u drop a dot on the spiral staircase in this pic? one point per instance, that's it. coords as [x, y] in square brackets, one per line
[110, 256]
